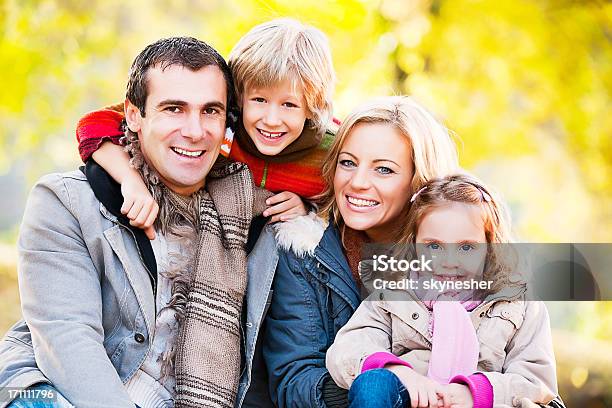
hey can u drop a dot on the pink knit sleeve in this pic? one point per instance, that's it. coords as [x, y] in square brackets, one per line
[480, 387]
[380, 360]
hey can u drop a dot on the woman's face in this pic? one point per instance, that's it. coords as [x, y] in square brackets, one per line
[372, 180]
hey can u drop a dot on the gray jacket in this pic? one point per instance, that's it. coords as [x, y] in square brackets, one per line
[87, 295]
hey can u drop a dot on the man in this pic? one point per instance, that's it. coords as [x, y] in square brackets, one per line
[112, 319]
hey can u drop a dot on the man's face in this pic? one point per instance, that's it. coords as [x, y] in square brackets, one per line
[184, 124]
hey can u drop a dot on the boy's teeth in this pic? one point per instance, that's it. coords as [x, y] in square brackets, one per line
[188, 153]
[360, 202]
[271, 134]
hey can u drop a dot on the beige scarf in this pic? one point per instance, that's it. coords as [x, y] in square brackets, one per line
[208, 294]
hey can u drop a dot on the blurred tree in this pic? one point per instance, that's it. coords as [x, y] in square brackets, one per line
[517, 78]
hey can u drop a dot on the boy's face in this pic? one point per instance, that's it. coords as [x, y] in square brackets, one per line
[274, 117]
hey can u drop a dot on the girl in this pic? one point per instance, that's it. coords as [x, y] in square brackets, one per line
[428, 353]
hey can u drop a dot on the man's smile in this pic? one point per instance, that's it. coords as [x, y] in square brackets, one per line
[187, 153]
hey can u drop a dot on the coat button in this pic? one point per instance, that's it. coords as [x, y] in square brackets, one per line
[139, 338]
[249, 324]
[415, 316]
[381, 296]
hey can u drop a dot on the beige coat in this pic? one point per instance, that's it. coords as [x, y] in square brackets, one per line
[516, 351]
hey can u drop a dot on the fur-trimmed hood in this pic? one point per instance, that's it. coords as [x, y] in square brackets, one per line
[301, 235]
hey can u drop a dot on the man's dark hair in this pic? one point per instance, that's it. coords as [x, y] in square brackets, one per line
[183, 51]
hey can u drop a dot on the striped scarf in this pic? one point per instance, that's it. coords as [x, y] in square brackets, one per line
[209, 303]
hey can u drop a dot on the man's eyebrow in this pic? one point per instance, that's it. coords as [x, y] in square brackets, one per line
[177, 102]
[166, 102]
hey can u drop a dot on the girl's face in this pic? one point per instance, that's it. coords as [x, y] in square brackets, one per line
[372, 180]
[453, 235]
[274, 117]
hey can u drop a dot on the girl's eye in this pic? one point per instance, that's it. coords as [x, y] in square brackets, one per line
[467, 247]
[290, 105]
[434, 246]
[259, 99]
[347, 163]
[384, 170]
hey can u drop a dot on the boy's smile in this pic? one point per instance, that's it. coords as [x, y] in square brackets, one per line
[274, 116]
[271, 135]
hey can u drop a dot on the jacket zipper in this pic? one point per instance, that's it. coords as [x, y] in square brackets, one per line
[329, 268]
[264, 177]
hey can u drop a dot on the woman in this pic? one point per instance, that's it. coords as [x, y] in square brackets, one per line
[383, 152]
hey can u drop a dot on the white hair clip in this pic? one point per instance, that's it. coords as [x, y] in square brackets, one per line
[415, 195]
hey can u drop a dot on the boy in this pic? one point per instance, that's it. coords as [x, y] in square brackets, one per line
[284, 79]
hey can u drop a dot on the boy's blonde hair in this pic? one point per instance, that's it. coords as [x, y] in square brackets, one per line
[467, 189]
[284, 49]
[433, 152]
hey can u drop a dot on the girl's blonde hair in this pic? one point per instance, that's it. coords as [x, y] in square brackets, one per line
[465, 188]
[284, 49]
[433, 152]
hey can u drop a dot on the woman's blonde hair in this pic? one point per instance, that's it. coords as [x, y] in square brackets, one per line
[433, 152]
[284, 49]
[465, 188]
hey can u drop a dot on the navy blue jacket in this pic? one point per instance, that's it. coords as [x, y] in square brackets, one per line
[314, 295]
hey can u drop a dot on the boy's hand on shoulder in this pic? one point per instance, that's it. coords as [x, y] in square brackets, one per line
[284, 206]
[138, 204]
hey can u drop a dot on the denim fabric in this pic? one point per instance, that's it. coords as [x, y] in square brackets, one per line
[378, 388]
[58, 401]
[314, 296]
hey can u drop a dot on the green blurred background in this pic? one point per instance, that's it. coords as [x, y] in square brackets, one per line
[525, 85]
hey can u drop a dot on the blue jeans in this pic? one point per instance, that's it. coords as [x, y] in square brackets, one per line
[41, 398]
[378, 388]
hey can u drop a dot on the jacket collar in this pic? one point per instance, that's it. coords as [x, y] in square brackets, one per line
[108, 192]
[311, 236]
